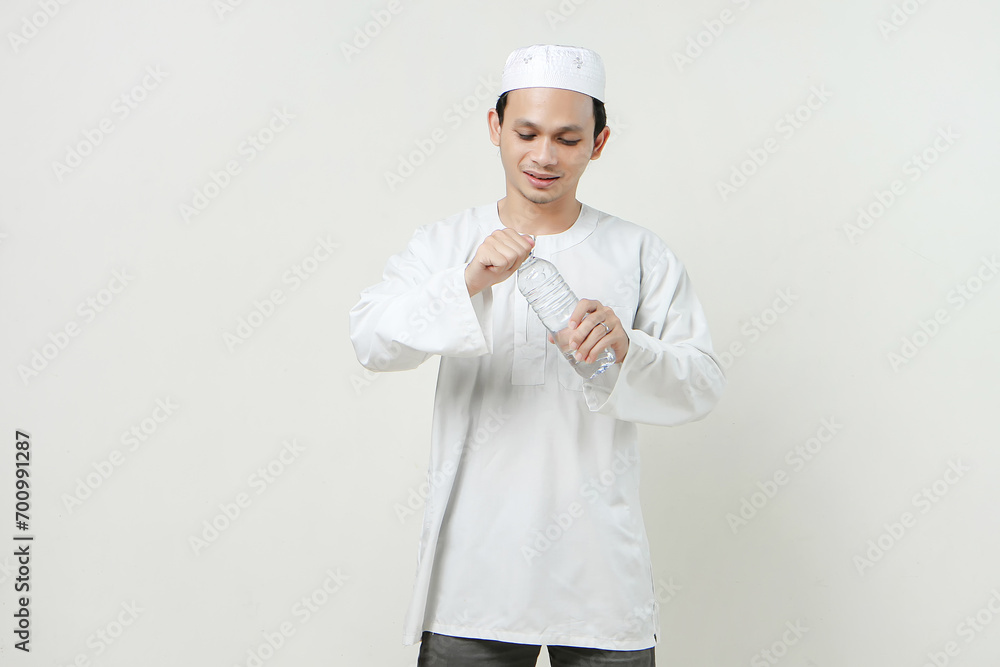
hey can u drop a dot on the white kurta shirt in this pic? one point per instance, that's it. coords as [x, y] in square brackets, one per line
[532, 529]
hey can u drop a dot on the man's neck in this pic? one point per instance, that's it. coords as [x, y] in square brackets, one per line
[526, 217]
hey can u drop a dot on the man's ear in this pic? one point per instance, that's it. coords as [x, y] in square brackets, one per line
[600, 142]
[493, 121]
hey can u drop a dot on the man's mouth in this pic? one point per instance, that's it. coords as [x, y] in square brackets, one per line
[538, 179]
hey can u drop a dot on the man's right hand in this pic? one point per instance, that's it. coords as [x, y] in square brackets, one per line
[497, 259]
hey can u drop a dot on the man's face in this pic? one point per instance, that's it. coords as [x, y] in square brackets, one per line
[547, 132]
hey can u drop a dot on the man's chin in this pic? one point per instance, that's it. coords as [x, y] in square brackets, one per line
[540, 197]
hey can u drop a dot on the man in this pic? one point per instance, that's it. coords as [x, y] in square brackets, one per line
[532, 533]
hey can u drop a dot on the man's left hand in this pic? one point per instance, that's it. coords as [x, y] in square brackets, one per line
[588, 336]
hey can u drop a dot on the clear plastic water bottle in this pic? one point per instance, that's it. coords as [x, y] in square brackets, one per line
[554, 302]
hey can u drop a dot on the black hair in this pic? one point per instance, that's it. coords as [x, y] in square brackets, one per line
[600, 115]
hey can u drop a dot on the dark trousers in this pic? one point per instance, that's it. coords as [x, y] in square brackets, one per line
[447, 651]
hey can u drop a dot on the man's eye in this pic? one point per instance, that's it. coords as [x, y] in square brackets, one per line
[568, 142]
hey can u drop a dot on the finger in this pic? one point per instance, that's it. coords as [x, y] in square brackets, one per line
[513, 246]
[593, 343]
[521, 243]
[523, 240]
[588, 321]
[579, 331]
[583, 308]
[598, 350]
[502, 255]
[561, 339]
[602, 334]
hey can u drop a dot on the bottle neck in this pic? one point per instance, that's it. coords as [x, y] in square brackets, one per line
[528, 261]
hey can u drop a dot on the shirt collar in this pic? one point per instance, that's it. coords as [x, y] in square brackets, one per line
[547, 244]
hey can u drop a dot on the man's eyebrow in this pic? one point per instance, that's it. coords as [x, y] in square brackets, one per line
[524, 122]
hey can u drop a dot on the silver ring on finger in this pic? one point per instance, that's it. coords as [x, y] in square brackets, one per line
[607, 329]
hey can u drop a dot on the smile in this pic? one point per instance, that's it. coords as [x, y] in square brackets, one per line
[541, 181]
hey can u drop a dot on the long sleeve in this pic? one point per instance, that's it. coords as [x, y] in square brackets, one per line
[421, 308]
[670, 374]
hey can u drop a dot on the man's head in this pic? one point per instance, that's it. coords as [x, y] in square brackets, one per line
[549, 120]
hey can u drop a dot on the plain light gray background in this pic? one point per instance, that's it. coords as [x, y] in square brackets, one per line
[895, 77]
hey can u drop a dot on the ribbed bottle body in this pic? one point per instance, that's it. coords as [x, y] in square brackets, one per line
[554, 302]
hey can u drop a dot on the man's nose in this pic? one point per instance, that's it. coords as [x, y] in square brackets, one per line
[544, 152]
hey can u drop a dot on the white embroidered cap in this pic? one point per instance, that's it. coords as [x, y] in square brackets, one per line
[554, 66]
